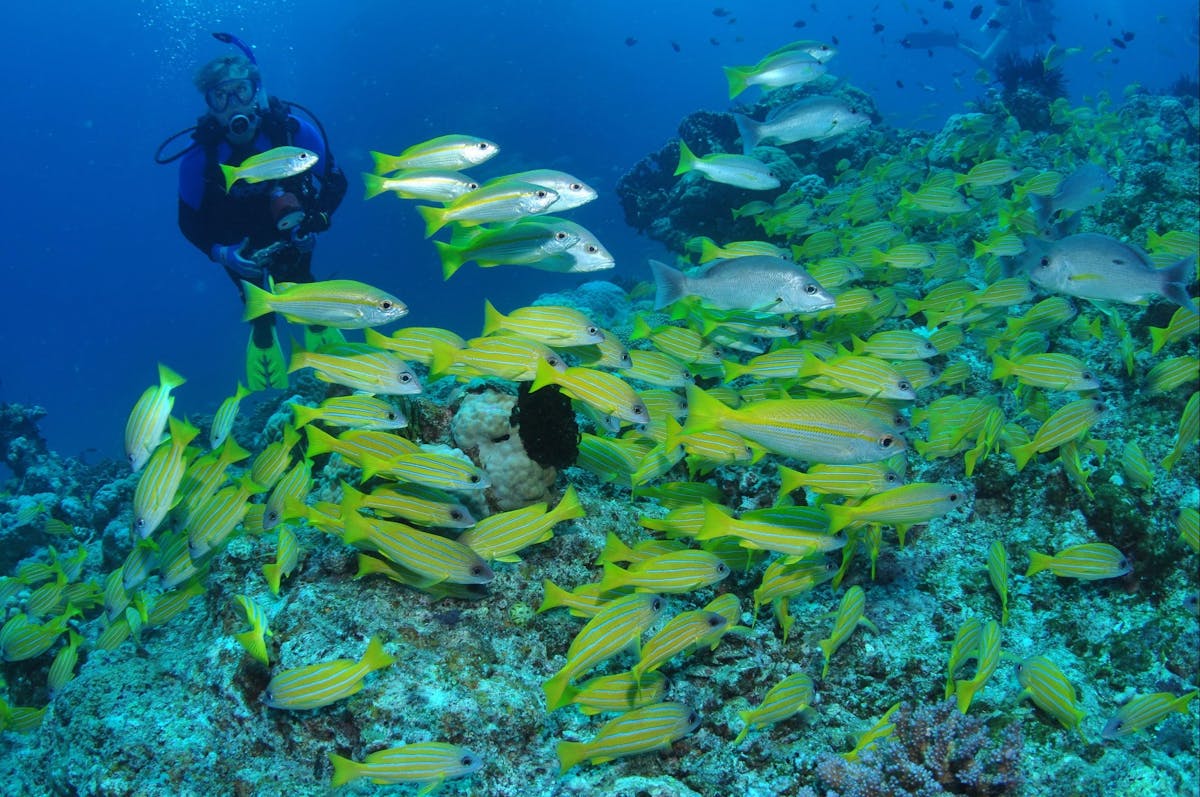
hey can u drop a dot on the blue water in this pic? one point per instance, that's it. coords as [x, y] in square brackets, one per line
[99, 284]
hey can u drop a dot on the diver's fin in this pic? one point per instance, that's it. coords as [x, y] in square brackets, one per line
[315, 337]
[266, 368]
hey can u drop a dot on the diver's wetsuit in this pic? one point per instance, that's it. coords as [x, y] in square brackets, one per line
[209, 216]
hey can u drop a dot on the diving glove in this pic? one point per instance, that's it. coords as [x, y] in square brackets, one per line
[265, 367]
[231, 258]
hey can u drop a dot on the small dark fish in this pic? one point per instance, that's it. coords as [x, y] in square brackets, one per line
[994, 23]
[976, 11]
[947, 5]
[877, 27]
[675, 46]
[713, 42]
[899, 84]
[799, 23]
[630, 41]
[835, 41]
[1127, 35]
[720, 12]
[1117, 42]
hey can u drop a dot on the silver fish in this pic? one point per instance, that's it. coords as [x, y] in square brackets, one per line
[1094, 266]
[810, 119]
[759, 282]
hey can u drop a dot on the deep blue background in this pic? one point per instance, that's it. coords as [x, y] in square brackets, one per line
[98, 284]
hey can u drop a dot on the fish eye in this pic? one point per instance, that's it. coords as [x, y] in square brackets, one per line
[592, 249]
[1045, 261]
[474, 478]
[560, 236]
[953, 498]
[477, 570]
[716, 622]
[456, 514]
[1087, 375]
[656, 604]
[405, 378]
[810, 289]
[1100, 407]
[553, 361]
[302, 155]
[482, 145]
[386, 305]
[778, 300]
[391, 416]
[904, 384]
[639, 410]
[271, 516]
[466, 761]
[540, 194]
[472, 186]
[722, 568]
[593, 330]
[886, 441]
[890, 478]
[576, 186]
[693, 717]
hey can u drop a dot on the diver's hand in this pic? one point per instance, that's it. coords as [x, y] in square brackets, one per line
[231, 258]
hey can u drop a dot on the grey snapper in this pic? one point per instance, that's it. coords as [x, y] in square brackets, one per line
[809, 119]
[1094, 266]
[758, 282]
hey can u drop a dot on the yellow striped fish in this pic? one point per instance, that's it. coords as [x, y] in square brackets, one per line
[273, 461]
[62, 669]
[618, 623]
[852, 481]
[642, 730]
[318, 685]
[452, 151]
[439, 471]
[997, 569]
[682, 632]
[549, 324]
[432, 556]
[1187, 523]
[1189, 432]
[509, 357]
[1145, 711]
[148, 419]
[413, 344]
[848, 617]
[964, 648]
[374, 372]
[673, 572]
[355, 412]
[1053, 371]
[287, 556]
[416, 504]
[617, 693]
[800, 534]
[1046, 685]
[502, 535]
[987, 659]
[254, 640]
[156, 490]
[357, 446]
[1088, 562]
[214, 520]
[226, 414]
[1184, 325]
[814, 429]
[1173, 372]
[293, 486]
[1069, 423]
[602, 391]
[903, 507]
[425, 764]
[341, 304]
[790, 696]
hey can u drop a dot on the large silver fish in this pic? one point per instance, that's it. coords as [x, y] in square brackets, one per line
[759, 282]
[809, 119]
[1094, 266]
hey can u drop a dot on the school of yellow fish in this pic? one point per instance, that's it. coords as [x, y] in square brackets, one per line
[818, 374]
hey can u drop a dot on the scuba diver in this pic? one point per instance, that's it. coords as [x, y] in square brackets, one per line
[256, 231]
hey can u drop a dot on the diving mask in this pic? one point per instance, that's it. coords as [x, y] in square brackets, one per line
[240, 91]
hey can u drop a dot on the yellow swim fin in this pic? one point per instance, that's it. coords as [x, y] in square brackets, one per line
[266, 368]
[316, 337]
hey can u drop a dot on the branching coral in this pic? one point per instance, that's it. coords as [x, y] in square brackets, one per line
[933, 750]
